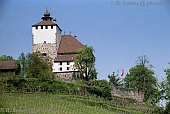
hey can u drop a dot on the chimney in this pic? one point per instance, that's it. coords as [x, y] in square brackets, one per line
[75, 37]
[54, 20]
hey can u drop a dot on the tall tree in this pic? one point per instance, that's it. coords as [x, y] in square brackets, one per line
[85, 62]
[141, 77]
[23, 62]
[114, 79]
[6, 58]
[38, 66]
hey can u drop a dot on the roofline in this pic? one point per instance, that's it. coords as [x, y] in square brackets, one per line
[46, 25]
[66, 53]
[65, 72]
[63, 60]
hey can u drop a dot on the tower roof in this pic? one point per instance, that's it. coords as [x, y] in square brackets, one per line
[46, 20]
[46, 14]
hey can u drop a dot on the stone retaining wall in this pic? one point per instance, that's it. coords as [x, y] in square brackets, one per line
[127, 93]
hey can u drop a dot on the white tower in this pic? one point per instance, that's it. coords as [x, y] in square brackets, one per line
[46, 36]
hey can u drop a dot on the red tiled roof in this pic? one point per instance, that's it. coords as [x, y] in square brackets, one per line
[69, 44]
[7, 65]
[66, 57]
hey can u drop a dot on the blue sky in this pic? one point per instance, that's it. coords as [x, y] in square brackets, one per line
[119, 33]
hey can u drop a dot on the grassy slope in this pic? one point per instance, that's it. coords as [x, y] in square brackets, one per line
[57, 104]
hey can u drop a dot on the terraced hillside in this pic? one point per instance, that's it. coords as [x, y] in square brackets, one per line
[60, 104]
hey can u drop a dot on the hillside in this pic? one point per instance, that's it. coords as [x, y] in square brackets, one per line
[59, 104]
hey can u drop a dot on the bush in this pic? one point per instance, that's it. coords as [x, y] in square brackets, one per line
[167, 108]
[100, 88]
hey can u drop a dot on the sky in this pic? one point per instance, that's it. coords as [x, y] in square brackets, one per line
[119, 31]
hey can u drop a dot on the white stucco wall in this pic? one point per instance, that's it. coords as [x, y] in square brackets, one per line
[56, 67]
[58, 34]
[49, 35]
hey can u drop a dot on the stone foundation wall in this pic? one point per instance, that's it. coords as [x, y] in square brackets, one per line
[127, 93]
[48, 48]
[64, 76]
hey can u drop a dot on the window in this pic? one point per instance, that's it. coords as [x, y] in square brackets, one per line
[36, 27]
[68, 68]
[60, 68]
[44, 42]
[44, 54]
[60, 63]
[68, 63]
[46, 27]
[51, 26]
[41, 27]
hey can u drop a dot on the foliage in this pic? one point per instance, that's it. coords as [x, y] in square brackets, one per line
[157, 110]
[166, 85]
[85, 63]
[165, 88]
[100, 88]
[114, 79]
[142, 78]
[17, 67]
[6, 58]
[167, 108]
[35, 65]
[22, 59]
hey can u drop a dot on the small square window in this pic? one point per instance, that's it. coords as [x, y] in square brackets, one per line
[68, 68]
[68, 63]
[46, 27]
[36, 27]
[51, 27]
[41, 27]
[44, 42]
[60, 63]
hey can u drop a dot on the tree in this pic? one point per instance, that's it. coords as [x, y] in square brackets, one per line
[141, 77]
[114, 79]
[38, 65]
[85, 62]
[165, 88]
[23, 62]
[6, 58]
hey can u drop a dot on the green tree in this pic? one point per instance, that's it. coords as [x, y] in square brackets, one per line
[37, 65]
[23, 63]
[141, 77]
[17, 67]
[85, 63]
[165, 88]
[114, 79]
[6, 58]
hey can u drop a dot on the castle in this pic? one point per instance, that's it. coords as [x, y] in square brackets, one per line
[47, 39]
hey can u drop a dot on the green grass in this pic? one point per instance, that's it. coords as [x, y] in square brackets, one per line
[57, 104]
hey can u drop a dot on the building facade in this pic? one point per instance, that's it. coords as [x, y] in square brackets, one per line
[47, 39]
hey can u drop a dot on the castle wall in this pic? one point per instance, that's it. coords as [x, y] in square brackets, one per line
[127, 93]
[41, 35]
[66, 76]
[48, 48]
